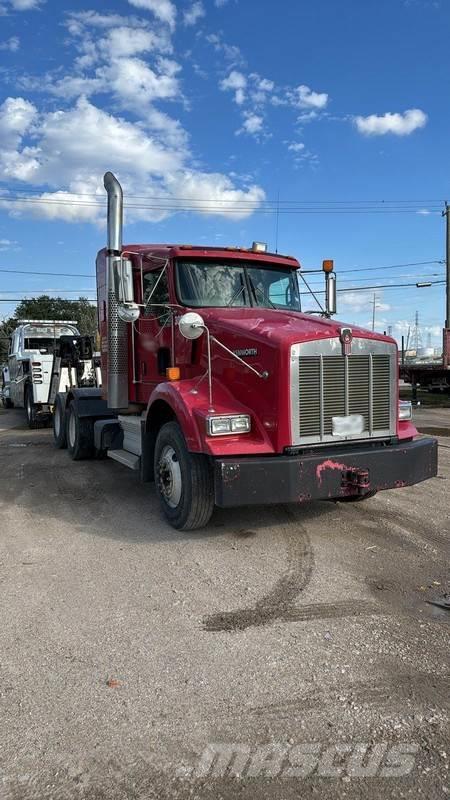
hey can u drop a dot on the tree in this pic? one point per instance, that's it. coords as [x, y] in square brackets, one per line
[45, 307]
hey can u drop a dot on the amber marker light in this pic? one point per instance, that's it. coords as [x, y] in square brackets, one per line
[173, 373]
[328, 265]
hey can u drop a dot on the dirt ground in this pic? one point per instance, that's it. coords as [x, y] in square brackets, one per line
[133, 656]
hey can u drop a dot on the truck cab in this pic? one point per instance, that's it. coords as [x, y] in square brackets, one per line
[220, 389]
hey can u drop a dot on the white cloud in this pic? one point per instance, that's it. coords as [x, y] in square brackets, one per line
[220, 3]
[296, 147]
[74, 148]
[230, 52]
[307, 116]
[25, 5]
[8, 244]
[16, 118]
[164, 10]
[361, 301]
[127, 40]
[137, 84]
[194, 13]
[252, 124]
[11, 44]
[395, 123]
[304, 97]
[236, 82]
[63, 153]
[265, 85]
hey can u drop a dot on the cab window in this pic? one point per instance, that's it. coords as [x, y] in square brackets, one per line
[156, 294]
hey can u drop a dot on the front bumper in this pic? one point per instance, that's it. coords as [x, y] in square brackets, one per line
[327, 474]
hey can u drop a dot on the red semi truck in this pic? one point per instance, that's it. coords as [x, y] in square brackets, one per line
[220, 390]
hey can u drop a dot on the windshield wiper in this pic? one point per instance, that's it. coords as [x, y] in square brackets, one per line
[237, 294]
[257, 288]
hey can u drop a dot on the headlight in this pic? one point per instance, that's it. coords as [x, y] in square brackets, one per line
[405, 409]
[220, 426]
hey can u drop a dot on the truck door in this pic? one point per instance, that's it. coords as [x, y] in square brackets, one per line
[152, 334]
[16, 375]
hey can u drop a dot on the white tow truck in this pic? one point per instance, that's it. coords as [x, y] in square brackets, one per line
[47, 357]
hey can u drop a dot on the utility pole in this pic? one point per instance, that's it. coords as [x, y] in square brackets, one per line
[446, 214]
[446, 332]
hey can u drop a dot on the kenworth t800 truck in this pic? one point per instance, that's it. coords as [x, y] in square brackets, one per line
[217, 387]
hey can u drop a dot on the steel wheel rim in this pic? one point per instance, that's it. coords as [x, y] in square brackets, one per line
[72, 429]
[169, 477]
[29, 405]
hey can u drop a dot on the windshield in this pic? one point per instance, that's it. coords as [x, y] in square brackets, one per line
[43, 337]
[221, 285]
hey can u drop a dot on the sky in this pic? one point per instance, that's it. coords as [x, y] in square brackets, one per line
[318, 127]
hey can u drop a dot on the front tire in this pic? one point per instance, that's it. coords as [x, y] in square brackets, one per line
[184, 481]
[59, 424]
[80, 435]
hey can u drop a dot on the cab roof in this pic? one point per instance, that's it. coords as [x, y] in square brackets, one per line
[166, 251]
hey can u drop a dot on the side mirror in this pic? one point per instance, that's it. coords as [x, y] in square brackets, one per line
[123, 280]
[128, 310]
[191, 325]
[330, 293]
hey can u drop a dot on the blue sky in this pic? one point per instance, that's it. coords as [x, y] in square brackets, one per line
[219, 108]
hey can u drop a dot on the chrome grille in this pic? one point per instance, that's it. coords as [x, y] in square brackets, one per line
[325, 384]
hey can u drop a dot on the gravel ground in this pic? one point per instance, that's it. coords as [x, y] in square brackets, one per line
[300, 636]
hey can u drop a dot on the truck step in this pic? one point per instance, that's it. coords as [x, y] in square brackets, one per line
[131, 426]
[130, 460]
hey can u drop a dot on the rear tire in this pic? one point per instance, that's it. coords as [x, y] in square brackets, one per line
[80, 435]
[184, 481]
[30, 409]
[59, 424]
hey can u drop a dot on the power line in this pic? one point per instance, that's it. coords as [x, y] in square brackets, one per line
[217, 207]
[49, 291]
[56, 274]
[349, 289]
[389, 266]
[146, 196]
[338, 270]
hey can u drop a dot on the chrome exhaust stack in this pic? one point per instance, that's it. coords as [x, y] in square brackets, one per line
[115, 213]
[117, 361]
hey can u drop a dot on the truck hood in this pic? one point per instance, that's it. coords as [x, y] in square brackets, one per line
[273, 325]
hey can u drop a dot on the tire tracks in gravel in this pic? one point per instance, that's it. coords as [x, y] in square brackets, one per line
[278, 604]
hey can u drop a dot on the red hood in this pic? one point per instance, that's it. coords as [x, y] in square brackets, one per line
[280, 326]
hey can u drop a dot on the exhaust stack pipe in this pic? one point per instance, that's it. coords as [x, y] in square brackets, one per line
[117, 354]
[115, 213]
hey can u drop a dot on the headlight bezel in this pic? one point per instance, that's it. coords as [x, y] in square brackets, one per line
[230, 423]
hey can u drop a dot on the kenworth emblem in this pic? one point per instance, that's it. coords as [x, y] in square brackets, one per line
[346, 338]
[245, 352]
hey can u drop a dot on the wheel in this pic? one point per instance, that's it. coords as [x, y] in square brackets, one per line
[30, 409]
[184, 481]
[355, 498]
[59, 424]
[80, 435]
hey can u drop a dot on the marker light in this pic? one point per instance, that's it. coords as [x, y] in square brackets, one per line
[259, 247]
[404, 409]
[173, 373]
[328, 265]
[221, 426]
